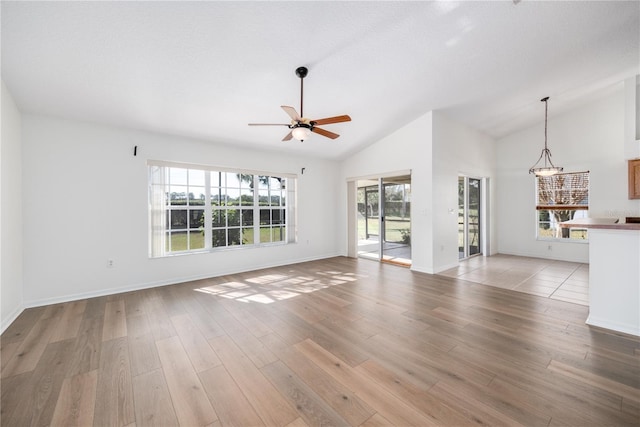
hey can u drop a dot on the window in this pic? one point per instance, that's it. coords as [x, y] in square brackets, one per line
[197, 208]
[185, 209]
[271, 198]
[559, 198]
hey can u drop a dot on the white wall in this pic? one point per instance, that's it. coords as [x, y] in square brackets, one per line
[10, 212]
[85, 201]
[632, 117]
[589, 138]
[457, 150]
[409, 148]
[84, 197]
[436, 149]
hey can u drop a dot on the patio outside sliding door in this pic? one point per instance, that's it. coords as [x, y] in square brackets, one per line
[384, 220]
[396, 220]
[369, 219]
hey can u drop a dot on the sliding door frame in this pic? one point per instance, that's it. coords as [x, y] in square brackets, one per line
[483, 220]
[352, 210]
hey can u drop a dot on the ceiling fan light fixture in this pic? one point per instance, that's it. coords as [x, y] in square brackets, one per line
[301, 132]
[548, 168]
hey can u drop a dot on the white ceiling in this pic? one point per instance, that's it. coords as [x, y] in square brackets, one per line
[206, 69]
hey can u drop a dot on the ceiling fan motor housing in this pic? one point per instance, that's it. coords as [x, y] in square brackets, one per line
[301, 72]
[301, 125]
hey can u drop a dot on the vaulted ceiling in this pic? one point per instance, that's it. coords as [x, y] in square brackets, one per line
[207, 69]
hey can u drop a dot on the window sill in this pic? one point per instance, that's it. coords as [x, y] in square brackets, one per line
[222, 249]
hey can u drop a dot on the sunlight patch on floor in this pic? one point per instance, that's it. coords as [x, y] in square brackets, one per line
[269, 288]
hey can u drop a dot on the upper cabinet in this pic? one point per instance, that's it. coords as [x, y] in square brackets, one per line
[634, 179]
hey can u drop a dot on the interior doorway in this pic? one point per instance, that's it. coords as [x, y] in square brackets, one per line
[470, 238]
[384, 219]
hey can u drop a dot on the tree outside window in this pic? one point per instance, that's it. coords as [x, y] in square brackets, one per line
[561, 197]
[199, 208]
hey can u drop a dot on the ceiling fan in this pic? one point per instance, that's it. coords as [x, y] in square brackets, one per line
[301, 127]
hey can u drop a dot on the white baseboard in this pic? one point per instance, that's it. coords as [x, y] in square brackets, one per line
[545, 256]
[420, 269]
[155, 284]
[442, 268]
[437, 270]
[614, 326]
[8, 320]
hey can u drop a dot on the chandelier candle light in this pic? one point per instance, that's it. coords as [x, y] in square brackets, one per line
[548, 169]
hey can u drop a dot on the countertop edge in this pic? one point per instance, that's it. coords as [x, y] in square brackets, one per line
[600, 223]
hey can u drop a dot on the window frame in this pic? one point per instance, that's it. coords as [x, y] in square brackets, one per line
[245, 205]
[188, 208]
[569, 198]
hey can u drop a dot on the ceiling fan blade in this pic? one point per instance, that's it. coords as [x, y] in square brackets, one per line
[291, 112]
[329, 120]
[288, 137]
[325, 133]
[268, 124]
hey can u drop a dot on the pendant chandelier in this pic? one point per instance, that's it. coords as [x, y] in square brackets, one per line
[546, 168]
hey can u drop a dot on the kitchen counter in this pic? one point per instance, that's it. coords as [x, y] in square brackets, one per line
[601, 223]
[614, 273]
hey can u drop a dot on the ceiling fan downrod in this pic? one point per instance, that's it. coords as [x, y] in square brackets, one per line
[302, 73]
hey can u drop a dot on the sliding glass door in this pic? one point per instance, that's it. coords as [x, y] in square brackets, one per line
[384, 219]
[369, 219]
[469, 210]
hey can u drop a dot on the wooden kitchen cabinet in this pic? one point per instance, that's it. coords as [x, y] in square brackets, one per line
[634, 179]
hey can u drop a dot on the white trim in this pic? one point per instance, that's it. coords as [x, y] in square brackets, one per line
[420, 269]
[218, 168]
[352, 219]
[436, 270]
[485, 212]
[380, 175]
[614, 326]
[441, 268]
[159, 186]
[174, 281]
[483, 224]
[7, 321]
[539, 256]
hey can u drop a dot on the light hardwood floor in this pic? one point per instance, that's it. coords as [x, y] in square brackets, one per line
[333, 342]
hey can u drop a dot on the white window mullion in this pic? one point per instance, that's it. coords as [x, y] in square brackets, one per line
[290, 209]
[208, 216]
[188, 213]
[256, 210]
[158, 210]
[465, 218]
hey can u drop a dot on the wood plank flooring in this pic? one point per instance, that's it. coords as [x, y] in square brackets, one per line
[333, 342]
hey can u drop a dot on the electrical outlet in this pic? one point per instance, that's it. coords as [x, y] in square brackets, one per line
[109, 263]
[550, 247]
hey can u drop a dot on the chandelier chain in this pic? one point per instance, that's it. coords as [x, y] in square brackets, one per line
[548, 168]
